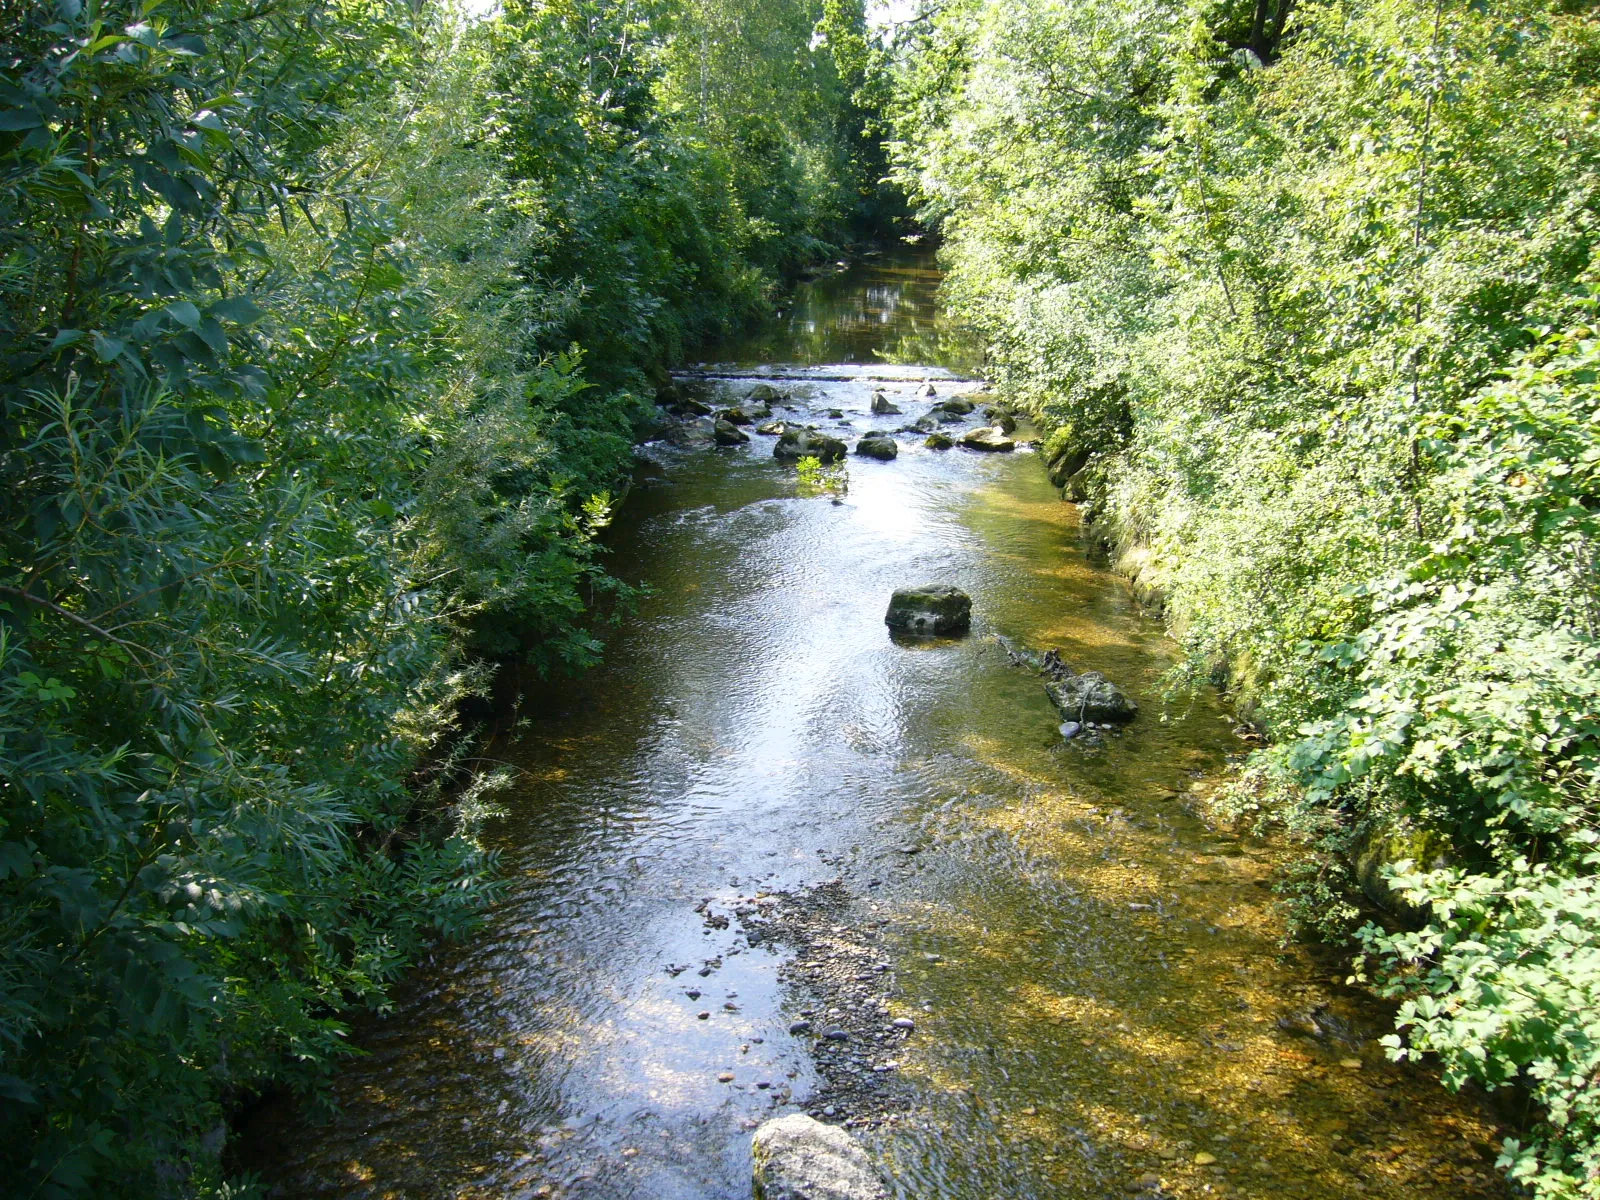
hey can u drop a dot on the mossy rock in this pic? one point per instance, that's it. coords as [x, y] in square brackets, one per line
[987, 439]
[879, 446]
[729, 434]
[938, 441]
[1090, 697]
[808, 443]
[934, 608]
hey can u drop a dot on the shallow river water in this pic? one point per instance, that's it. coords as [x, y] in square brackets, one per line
[1101, 1003]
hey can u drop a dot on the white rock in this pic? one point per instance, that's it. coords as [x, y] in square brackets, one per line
[798, 1158]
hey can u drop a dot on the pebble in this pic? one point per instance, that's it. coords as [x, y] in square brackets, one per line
[694, 993]
[1070, 729]
[1350, 1064]
[800, 1027]
[705, 1016]
[1204, 1160]
[904, 1023]
[725, 1077]
[837, 1035]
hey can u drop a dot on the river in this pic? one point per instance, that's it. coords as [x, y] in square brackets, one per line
[1101, 1003]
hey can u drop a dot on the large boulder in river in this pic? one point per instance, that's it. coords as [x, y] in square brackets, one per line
[958, 406]
[809, 443]
[799, 1158]
[882, 405]
[738, 416]
[729, 434]
[765, 393]
[987, 438]
[938, 441]
[1089, 697]
[877, 445]
[934, 608]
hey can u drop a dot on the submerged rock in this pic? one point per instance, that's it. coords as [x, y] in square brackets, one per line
[877, 445]
[987, 439]
[836, 414]
[765, 393]
[925, 424]
[804, 443]
[729, 434]
[774, 428]
[799, 1158]
[957, 405]
[882, 405]
[935, 608]
[1090, 697]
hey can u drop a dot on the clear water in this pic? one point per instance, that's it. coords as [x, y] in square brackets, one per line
[1096, 976]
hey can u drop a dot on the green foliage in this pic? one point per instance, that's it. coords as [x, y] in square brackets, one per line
[325, 339]
[1308, 284]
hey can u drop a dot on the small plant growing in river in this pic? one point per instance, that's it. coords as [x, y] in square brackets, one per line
[817, 479]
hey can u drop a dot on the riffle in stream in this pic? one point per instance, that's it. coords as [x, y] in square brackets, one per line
[762, 806]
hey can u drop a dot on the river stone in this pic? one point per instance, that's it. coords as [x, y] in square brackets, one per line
[877, 445]
[1090, 697]
[957, 405]
[934, 608]
[1067, 464]
[925, 424]
[773, 428]
[938, 441]
[1000, 419]
[691, 405]
[799, 1158]
[803, 443]
[764, 393]
[987, 439]
[729, 434]
[881, 404]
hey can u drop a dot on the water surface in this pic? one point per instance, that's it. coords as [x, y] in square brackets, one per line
[1096, 976]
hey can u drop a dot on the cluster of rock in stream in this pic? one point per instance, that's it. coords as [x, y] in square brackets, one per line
[798, 438]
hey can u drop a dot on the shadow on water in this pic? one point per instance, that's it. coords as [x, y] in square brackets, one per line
[1101, 1003]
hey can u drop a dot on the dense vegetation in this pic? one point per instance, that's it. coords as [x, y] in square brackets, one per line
[326, 330]
[1303, 291]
